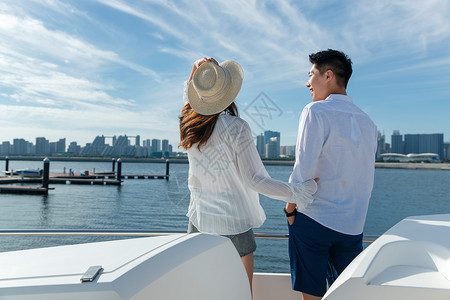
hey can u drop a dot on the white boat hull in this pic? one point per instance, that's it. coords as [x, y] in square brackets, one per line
[195, 266]
[410, 261]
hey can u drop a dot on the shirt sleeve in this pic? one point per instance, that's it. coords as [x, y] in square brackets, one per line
[255, 176]
[310, 141]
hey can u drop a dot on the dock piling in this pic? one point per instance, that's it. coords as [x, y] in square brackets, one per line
[119, 169]
[113, 165]
[7, 163]
[45, 176]
[167, 169]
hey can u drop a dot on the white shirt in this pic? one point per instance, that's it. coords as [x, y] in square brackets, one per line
[225, 177]
[337, 142]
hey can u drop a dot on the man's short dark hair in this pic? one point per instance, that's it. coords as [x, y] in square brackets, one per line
[336, 61]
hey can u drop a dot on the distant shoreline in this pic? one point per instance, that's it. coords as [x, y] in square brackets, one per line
[414, 166]
[381, 165]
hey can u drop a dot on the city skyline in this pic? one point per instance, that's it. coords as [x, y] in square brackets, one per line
[267, 144]
[255, 137]
[80, 68]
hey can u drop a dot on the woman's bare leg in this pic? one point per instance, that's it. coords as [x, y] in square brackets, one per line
[248, 264]
[310, 297]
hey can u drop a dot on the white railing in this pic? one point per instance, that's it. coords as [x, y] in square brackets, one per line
[128, 233]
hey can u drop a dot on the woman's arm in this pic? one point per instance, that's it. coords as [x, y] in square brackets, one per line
[256, 177]
[200, 61]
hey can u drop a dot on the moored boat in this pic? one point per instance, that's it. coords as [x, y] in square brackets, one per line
[25, 173]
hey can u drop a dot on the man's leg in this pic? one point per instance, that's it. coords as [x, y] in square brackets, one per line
[309, 254]
[344, 250]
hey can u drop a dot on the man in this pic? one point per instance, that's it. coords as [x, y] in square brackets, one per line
[337, 142]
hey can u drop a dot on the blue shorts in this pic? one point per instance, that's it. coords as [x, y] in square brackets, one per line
[314, 249]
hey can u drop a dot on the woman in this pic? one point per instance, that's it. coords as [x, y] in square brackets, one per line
[225, 170]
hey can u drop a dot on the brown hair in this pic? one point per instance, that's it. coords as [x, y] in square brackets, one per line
[197, 128]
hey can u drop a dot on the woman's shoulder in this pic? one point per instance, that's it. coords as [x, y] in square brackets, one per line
[232, 126]
[233, 120]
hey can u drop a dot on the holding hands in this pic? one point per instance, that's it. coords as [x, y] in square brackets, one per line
[303, 192]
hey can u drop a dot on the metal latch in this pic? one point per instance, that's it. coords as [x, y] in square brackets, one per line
[91, 274]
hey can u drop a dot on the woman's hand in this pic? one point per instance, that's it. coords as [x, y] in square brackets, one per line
[199, 62]
[290, 207]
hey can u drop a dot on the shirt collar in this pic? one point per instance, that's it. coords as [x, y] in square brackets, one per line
[339, 97]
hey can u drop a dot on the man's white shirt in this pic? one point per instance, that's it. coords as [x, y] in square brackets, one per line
[337, 142]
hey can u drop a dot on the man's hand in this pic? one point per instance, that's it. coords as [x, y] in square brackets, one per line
[291, 220]
[290, 207]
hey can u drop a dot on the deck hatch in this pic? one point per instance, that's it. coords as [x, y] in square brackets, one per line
[91, 274]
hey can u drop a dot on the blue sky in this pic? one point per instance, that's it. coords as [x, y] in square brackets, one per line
[78, 69]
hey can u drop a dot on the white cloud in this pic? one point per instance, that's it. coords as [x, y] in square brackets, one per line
[253, 33]
[93, 119]
[390, 28]
[32, 38]
[133, 65]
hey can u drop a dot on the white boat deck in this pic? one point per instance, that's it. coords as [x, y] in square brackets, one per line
[410, 261]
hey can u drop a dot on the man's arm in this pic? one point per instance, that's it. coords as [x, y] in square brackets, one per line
[308, 148]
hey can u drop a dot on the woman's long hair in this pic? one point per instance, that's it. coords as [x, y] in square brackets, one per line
[197, 128]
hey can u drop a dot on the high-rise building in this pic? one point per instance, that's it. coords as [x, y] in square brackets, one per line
[147, 143]
[425, 143]
[397, 143]
[287, 151]
[382, 146]
[52, 148]
[273, 148]
[74, 148]
[21, 147]
[97, 147]
[447, 150]
[156, 145]
[268, 135]
[61, 145]
[261, 145]
[42, 146]
[122, 141]
[165, 145]
[5, 148]
[138, 140]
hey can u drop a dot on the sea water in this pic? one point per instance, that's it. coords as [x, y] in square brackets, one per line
[157, 204]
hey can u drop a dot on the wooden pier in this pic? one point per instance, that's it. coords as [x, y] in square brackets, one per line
[84, 181]
[101, 178]
[12, 189]
[107, 176]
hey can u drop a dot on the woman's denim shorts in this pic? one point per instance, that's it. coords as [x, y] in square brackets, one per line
[244, 242]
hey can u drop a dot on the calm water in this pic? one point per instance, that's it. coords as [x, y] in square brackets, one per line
[161, 205]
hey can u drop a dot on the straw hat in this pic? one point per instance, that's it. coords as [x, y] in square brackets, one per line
[214, 87]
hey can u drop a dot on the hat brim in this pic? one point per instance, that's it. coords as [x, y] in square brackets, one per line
[220, 104]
